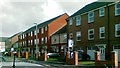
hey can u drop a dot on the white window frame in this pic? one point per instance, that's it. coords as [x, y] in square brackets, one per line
[38, 31]
[102, 11]
[70, 21]
[46, 39]
[117, 28]
[65, 36]
[90, 34]
[35, 41]
[42, 30]
[23, 36]
[28, 33]
[78, 20]
[38, 41]
[42, 40]
[20, 36]
[23, 43]
[116, 9]
[31, 33]
[78, 33]
[35, 32]
[101, 30]
[31, 42]
[90, 17]
[46, 28]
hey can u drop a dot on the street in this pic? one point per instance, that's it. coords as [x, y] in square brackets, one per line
[20, 65]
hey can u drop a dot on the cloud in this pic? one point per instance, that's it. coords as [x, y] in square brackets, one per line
[16, 16]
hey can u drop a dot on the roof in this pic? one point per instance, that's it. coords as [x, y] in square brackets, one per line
[90, 7]
[62, 30]
[14, 35]
[42, 24]
[3, 39]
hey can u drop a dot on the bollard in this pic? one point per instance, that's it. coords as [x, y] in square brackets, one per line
[75, 58]
[18, 54]
[45, 56]
[67, 57]
[26, 55]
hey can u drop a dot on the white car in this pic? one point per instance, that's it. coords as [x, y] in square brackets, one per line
[53, 55]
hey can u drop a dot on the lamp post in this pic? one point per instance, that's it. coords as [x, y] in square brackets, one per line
[36, 41]
[12, 49]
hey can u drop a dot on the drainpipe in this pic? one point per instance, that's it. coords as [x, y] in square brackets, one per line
[108, 41]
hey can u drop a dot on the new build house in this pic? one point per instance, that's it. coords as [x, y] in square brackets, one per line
[96, 27]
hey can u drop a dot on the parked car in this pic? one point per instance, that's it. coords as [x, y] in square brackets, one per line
[81, 55]
[53, 55]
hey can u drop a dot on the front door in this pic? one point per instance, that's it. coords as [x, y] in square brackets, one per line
[102, 53]
[117, 49]
[101, 48]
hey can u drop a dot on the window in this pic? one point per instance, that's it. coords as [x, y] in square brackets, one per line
[102, 32]
[46, 28]
[70, 22]
[117, 9]
[78, 35]
[35, 41]
[65, 37]
[28, 34]
[42, 40]
[90, 34]
[31, 33]
[28, 41]
[71, 35]
[38, 41]
[23, 36]
[90, 17]
[31, 42]
[78, 20]
[42, 30]
[35, 32]
[45, 39]
[101, 11]
[117, 30]
[23, 43]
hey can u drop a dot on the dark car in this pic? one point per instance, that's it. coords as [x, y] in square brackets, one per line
[53, 55]
[81, 55]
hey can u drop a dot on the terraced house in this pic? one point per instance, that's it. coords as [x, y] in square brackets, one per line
[27, 39]
[96, 27]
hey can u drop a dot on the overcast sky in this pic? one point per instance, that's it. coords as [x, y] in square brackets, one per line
[19, 15]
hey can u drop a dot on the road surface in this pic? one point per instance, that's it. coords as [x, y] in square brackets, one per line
[21, 65]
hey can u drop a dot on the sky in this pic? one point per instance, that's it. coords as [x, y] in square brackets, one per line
[20, 15]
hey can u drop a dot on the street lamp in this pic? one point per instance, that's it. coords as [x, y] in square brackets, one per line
[36, 41]
[12, 50]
